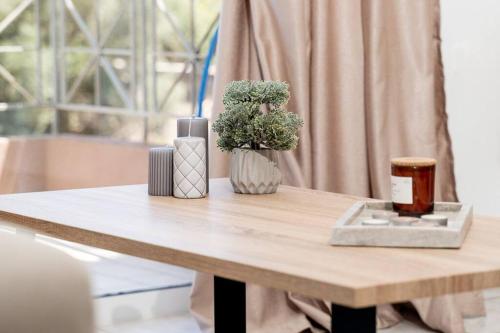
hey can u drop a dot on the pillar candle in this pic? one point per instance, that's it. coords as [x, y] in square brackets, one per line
[199, 128]
[190, 167]
[160, 180]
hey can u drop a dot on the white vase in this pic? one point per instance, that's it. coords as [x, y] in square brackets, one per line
[254, 171]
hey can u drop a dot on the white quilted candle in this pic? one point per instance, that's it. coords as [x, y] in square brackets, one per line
[194, 126]
[190, 176]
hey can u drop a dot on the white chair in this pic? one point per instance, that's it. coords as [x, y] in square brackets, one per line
[42, 290]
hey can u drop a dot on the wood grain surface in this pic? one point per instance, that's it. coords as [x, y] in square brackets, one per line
[278, 240]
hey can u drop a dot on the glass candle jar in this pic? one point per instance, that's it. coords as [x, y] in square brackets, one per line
[412, 183]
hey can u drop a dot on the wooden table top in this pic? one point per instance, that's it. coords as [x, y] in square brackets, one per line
[278, 240]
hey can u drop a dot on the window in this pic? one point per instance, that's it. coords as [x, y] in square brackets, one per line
[119, 68]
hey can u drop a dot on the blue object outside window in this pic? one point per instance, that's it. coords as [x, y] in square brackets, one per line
[204, 76]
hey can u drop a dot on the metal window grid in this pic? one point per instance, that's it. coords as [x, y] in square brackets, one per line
[141, 97]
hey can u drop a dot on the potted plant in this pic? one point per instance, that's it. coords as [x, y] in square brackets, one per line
[253, 127]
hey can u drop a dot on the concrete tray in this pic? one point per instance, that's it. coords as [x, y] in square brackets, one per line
[349, 230]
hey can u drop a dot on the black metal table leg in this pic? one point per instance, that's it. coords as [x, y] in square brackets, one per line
[229, 306]
[349, 320]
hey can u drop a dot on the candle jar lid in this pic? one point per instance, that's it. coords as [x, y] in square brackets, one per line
[413, 161]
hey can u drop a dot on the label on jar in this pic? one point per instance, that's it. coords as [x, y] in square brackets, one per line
[402, 190]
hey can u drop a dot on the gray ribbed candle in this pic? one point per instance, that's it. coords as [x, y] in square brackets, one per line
[160, 180]
[199, 128]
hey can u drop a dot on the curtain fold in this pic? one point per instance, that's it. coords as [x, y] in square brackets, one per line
[367, 78]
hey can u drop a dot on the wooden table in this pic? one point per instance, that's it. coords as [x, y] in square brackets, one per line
[278, 240]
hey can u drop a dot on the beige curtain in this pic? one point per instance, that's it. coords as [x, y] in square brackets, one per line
[366, 77]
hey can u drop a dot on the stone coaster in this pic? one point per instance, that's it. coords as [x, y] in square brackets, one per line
[350, 230]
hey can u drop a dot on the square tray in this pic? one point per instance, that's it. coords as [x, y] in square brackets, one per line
[349, 231]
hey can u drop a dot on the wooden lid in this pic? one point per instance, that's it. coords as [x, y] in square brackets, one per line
[413, 161]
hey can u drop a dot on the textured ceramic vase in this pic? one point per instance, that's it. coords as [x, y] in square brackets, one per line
[255, 171]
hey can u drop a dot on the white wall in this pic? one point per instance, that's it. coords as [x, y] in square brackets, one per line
[470, 31]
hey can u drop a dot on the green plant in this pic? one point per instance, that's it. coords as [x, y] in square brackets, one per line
[243, 124]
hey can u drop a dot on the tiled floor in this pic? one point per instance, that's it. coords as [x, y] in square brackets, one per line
[150, 312]
[133, 295]
[184, 323]
[174, 324]
[114, 273]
